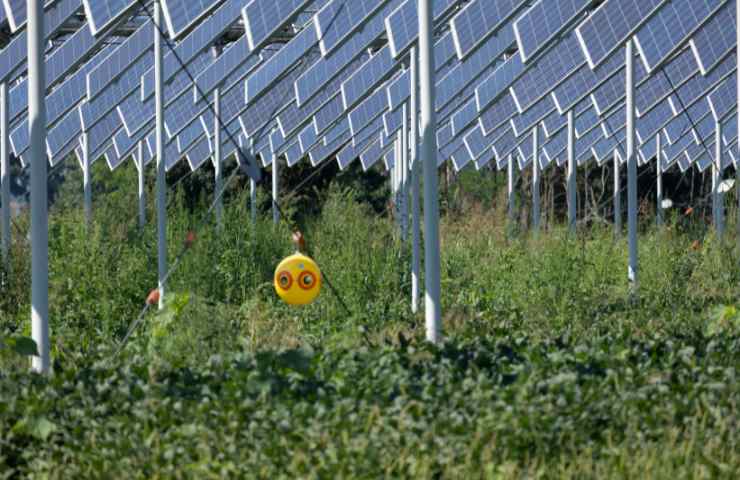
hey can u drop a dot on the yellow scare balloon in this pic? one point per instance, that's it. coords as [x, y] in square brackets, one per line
[298, 280]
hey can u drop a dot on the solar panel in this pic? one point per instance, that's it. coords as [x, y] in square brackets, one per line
[671, 27]
[120, 60]
[544, 21]
[610, 25]
[288, 57]
[552, 68]
[181, 15]
[102, 15]
[479, 19]
[263, 18]
[236, 56]
[475, 65]
[340, 18]
[579, 85]
[723, 100]
[196, 42]
[325, 69]
[13, 56]
[498, 82]
[366, 77]
[402, 24]
[712, 43]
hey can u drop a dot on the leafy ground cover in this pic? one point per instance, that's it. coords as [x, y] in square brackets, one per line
[549, 369]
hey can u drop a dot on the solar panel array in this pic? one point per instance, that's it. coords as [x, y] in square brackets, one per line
[317, 79]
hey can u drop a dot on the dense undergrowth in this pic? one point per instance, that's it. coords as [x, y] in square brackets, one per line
[549, 367]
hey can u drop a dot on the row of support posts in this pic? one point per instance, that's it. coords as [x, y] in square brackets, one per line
[38, 162]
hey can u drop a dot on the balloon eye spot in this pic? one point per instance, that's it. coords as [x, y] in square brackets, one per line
[285, 280]
[306, 280]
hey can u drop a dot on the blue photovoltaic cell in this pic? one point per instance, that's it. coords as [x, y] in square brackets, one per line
[552, 68]
[340, 18]
[472, 67]
[114, 93]
[236, 56]
[498, 82]
[372, 154]
[198, 154]
[698, 86]
[180, 15]
[723, 100]
[288, 57]
[479, 19]
[103, 14]
[610, 25]
[325, 69]
[464, 117]
[294, 116]
[716, 39]
[402, 24]
[197, 41]
[526, 121]
[579, 85]
[392, 121]
[497, 114]
[399, 90]
[370, 74]
[544, 21]
[307, 138]
[120, 60]
[367, 111]
[674, 23]
[262, 18]
[14, 54]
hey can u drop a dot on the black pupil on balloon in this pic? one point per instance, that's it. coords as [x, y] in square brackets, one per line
[308, 280]
[284, 280]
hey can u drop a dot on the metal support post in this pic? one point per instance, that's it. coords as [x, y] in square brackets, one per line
[4, 177]
[535, 181]
[142, 190]
[39, 186]
[275, 189]
[87, 187]
[415, 194]
[632, 271]
[571, 184]
[433, 308]
[217, 160]
[161, 177]
[511, 195]
[659, 180]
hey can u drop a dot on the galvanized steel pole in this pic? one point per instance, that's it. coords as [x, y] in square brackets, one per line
[717, 197]
[415, 172]
[217, 160]
[433, 308]
[142, 191]
[275, 188]
[511, 197]
[404, 173]
[659, 180]
[617, 194]
[39, 193]
[161, 176]
[632, 271]
[535, 181]
[571, 186]
[4, 176]
[87, 188]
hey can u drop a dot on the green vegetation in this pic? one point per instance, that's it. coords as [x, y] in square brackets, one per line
[548, 368]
